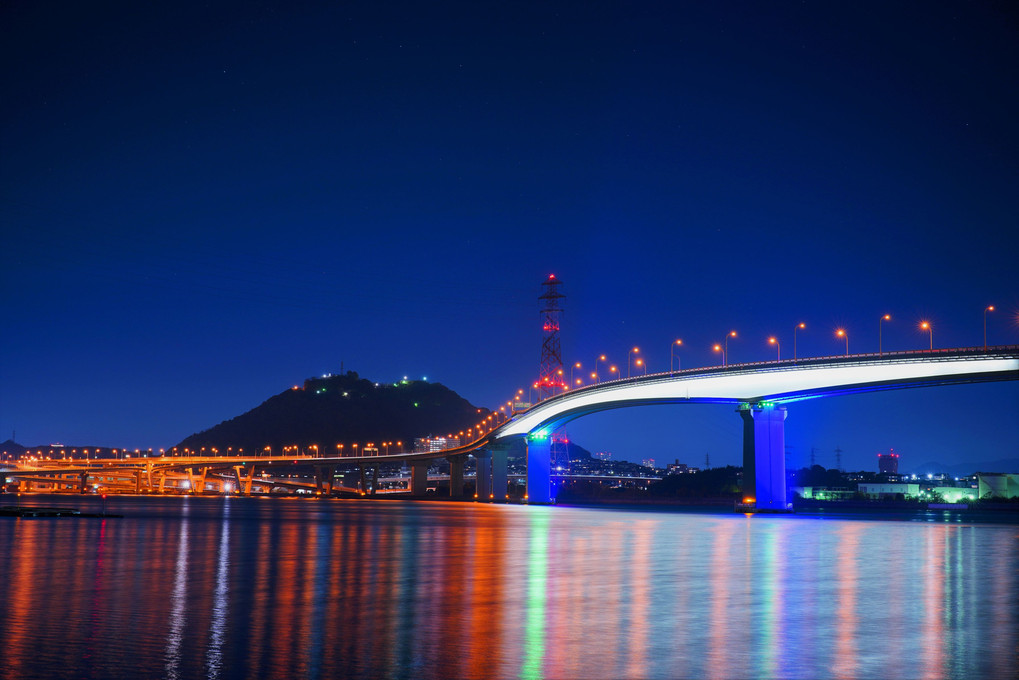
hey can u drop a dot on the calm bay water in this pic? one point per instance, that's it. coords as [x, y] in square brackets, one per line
[281, 588]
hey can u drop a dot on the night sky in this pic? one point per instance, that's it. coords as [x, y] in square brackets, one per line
[204, 205]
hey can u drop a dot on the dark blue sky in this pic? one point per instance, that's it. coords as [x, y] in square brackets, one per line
[202, 206]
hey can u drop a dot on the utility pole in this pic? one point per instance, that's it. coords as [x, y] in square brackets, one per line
[838, 459]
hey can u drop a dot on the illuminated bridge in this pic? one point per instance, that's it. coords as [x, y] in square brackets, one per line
[762, 391]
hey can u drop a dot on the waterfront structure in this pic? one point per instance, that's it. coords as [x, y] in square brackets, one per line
[998, 485]
[762, 390]
[885, 491]
[433, 444]
[676, 468]
[888, 463]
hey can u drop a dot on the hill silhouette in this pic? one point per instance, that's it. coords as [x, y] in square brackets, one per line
[343, 409]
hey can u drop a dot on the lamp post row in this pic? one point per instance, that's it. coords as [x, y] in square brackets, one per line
[723, 347]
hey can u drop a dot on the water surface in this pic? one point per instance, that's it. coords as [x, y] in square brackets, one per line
[281, 588]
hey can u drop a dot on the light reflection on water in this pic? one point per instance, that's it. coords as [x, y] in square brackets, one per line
[281, 588]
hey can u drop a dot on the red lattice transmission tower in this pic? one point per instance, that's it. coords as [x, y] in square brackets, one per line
[550, 373]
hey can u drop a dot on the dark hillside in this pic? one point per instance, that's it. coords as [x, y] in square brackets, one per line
[343, 409]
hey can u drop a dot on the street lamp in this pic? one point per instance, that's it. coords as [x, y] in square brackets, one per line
[613, 369]
[926, 326]
[594, 375]
[886, 317]
[725, 347]
[635, 350]
[576, 365]
[641, 362]
[778, 347]
[989, 308]
[797, 327]
[841, 333]
[672, 353]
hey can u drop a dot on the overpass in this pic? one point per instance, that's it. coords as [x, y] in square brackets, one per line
[762, 392]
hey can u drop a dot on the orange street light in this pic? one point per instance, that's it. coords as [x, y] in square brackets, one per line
[926, 326]
[594, 374]
[725, 347]
[797, 327]
[778, 347]
[989, 308]
[886, 317]
[641, 362]
[672, 354]
[718, 348]
[633, 351]
[576, 365]
[613, 369]
[841, 333]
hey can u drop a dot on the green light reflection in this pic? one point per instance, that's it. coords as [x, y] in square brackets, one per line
[537, 573]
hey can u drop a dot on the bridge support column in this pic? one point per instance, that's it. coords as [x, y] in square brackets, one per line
[244, 482]
[749, 459]
[768, 485]
[375, 479]
[197, 484]
[84, 482]
[539, 469]
[500, 473]
[137, 481]
[483, 483]
[419, 477]
[323, 475]
[456, 476]
[365, 486]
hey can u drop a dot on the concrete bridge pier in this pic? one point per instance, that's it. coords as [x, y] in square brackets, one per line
[764, 480]
[456, 476]
[368, 487]
[244, 482]
[539, 469]
[419, 477]
[500, 473]
[83, 483]
[324, 476]
[483, 484]
[197, 484]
